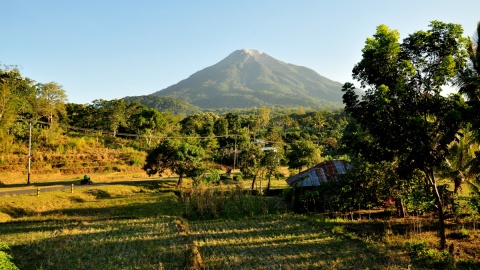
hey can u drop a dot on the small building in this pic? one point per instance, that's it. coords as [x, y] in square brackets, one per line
[320, 173]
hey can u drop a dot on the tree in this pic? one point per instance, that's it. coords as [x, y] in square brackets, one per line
[148, 122]
[51, 99]
[220, 127]
[462, 162]
[233, 123]
[81, 115]
[469, 85]
[469, 79]
[182, 158]
[270, 164]
[202, 124]
[250, 161]
[17, 95]
[263, 116]
[110, 114]
[402, 110]
[303, 153]
[17, 98]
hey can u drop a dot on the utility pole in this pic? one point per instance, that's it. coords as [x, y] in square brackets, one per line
[235, 153]
[29, 151]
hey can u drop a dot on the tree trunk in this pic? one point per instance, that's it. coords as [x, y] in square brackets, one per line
[253, 181]
[180, 178]
[400, 207]
[438, 202]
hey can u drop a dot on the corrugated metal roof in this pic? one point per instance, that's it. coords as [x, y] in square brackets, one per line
[320, 173]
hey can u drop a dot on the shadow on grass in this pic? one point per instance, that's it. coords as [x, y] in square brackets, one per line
[151, 243]
[284, 243]
[44, 184]
[19, 227]
[149, 205]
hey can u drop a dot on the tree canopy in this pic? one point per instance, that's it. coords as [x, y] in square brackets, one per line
[403, 112]
[180, 157]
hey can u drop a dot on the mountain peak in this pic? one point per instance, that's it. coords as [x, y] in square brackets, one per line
[252, 52]
[250, 78]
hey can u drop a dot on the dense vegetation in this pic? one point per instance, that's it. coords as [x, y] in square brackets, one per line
[165, 104]
[412, 149]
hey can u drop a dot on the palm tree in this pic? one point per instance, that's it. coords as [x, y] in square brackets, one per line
[469, 79]
[464, 158]
[468, 82]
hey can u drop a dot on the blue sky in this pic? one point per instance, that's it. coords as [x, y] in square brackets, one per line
[99, 49]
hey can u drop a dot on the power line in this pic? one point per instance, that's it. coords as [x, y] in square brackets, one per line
[122, 134]
[129, 134]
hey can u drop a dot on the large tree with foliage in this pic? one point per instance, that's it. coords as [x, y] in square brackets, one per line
[110, 114]
[406, 117]
[51, 99]
[303, 153]
[17, 100]
[250, 161]
[150, 122]
[180, 157]
[17, 95]
[271, 163]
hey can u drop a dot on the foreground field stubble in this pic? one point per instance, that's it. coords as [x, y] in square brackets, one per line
[141, 227]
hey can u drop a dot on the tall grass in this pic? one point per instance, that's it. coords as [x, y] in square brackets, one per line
[222, 202]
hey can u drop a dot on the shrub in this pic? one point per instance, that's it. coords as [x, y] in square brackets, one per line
[422, 257]
[76, 143]
[287, 194]
[224, 178]
[132, 157]
[5, 258]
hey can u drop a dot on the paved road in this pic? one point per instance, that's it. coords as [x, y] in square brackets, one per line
[68, 187]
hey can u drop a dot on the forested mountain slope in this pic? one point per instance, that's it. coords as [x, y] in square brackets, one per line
[248, 78]
[171, 105]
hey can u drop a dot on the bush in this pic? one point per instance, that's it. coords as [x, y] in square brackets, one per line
[76, 143]
[422, 257]
[274, 192]
[287, 194]
[5, 258]
[225, 178]
[210, 178]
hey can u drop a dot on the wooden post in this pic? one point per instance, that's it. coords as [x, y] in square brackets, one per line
[72, 189]
[38, 192]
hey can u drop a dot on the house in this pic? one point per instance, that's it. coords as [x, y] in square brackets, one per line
[263, 144]
[320, 173]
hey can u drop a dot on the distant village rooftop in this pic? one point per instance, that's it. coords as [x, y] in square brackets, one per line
[319, 174]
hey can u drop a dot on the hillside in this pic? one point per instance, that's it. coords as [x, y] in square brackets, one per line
[247, 78]
[165, 104]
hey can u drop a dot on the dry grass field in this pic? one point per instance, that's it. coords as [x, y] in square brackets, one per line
[143, 225]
